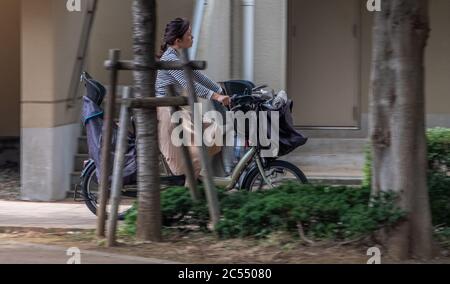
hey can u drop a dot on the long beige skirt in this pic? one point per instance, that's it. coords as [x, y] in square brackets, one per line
[172, 153]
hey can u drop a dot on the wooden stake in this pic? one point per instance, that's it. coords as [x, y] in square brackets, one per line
[211, 192]
[117, 181]
[114, 56]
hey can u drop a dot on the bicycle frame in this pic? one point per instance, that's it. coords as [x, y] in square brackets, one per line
[229, 182]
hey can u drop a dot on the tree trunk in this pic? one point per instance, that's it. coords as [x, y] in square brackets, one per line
[149, 207]
[397, 109]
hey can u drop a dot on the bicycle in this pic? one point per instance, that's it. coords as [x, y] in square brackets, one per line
[252, 172]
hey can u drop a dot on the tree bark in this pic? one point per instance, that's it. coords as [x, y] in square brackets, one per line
[397, 109]
[149, 220]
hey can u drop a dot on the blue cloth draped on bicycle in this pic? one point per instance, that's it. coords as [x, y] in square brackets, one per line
[92, 118]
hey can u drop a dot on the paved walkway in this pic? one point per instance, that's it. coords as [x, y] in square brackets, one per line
[40, 215]
[12, 252]
[46, 215]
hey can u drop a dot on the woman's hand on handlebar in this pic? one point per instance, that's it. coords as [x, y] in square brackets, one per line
[224, 100]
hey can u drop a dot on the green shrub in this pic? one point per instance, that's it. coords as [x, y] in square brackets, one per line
[438, 147]
[439, 192]
[442, 235]
[177, 208]
[130, 221]
[324, 212]
[175, 204]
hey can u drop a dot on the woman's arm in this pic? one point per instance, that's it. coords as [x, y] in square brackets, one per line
[202, 91]
[205, 81]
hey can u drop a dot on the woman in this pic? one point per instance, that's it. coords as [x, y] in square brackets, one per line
[178, 36]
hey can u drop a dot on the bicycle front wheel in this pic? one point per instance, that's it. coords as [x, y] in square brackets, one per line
[277, 173]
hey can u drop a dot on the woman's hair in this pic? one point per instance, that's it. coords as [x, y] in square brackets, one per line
[175, 29]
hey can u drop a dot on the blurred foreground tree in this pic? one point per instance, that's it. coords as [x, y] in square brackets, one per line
[397, 108]
[149, 215]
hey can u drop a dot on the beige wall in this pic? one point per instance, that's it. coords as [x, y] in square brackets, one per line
[50, 36]
[113, 29]
[10, 68]
[438, 59]
[169, 10]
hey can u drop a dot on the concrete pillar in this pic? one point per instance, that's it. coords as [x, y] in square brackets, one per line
[49, 131]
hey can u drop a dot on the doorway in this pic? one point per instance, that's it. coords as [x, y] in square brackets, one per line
[324, 62]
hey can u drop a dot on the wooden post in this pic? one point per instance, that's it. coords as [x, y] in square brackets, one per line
[117, 181]
[211, 192]
[114, 55]
[154, 102]
[189, 167]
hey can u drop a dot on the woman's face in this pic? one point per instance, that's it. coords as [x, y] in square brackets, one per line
[187, 40]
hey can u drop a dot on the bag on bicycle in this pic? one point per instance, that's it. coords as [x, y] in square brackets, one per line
[289, 137]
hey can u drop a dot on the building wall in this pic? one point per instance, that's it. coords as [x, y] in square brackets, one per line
[49, 36]
[270, 55]
[10, 68]
[113, 29]
[438, 65]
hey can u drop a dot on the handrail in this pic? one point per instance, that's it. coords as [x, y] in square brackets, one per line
[81, 53]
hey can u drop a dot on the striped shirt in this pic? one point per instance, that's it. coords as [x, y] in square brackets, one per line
[204, 87]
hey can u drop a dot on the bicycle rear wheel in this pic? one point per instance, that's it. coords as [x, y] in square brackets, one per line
[89, 190]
